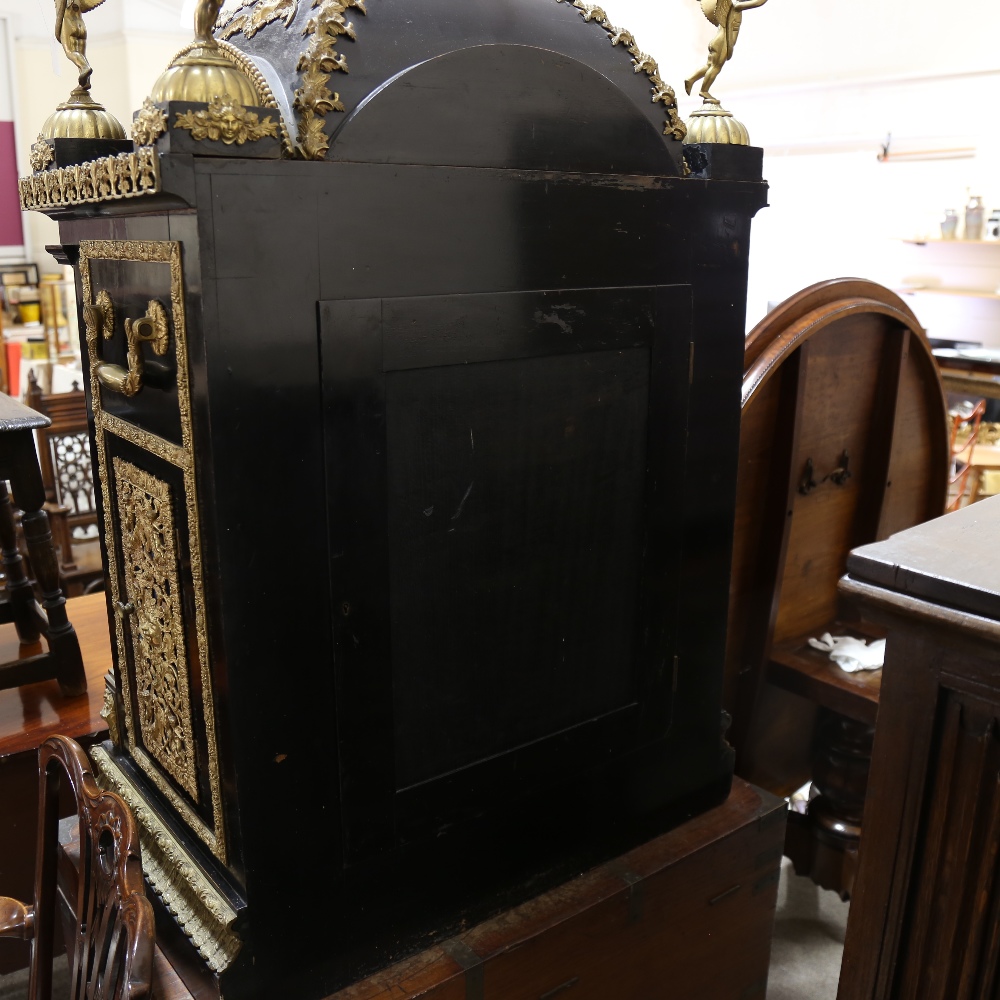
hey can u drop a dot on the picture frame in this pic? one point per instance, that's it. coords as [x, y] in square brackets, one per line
[18, 274]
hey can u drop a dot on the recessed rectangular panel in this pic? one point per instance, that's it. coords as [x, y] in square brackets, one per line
[504, 540]
[516, 493]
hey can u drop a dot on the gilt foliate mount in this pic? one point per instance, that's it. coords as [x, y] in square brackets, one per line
[642, 62]
[227, 121]
[328, 25]
[314, 99]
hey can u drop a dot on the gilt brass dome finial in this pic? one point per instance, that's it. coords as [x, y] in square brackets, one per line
[80, 116]
[712, 123]
[201, 72]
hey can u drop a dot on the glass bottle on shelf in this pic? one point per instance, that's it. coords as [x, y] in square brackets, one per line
[974, 213]
[949, 224]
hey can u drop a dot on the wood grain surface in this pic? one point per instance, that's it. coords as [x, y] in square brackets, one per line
[693, 908]
[33, 712]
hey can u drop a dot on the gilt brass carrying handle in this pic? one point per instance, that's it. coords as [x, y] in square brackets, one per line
[153, 328]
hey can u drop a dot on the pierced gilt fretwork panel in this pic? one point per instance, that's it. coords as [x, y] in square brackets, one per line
[149, 554]
[74, 477]
[173, 684]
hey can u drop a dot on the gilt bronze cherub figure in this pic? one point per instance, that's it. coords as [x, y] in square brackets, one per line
[80, 116]
[71, 31]
[711, 123]
[727, 16]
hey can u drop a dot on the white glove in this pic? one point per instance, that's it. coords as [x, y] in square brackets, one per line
[851, 654]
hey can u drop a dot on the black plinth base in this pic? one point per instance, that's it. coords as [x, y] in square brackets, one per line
[185, 140]
[69, 152]
[721, 161]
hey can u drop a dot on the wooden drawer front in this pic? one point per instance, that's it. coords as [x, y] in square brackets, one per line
[144, 439]
[687, 916]
[700, 928]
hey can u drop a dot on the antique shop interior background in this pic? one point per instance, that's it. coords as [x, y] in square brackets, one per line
[823, 87]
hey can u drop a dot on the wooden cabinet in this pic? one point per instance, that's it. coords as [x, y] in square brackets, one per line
[924, 919]
[418, 530]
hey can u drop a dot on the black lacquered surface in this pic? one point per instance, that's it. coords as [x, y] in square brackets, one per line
[392, 698]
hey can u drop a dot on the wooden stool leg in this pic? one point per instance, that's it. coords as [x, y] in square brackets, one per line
[62, 536]
[19, 592]
[823, 844]
[61, 636]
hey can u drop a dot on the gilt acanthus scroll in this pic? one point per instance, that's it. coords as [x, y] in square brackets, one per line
[314, 100]
[642, 62]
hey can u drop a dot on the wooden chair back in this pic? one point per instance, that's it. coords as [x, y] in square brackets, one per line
[112, 953]
[844, 440]
[64, 452]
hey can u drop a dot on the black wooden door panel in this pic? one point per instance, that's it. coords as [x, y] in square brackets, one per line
[502, 471]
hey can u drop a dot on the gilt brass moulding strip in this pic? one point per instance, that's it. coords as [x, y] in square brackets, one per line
[110, 178]
[182, 457]
[199, 909]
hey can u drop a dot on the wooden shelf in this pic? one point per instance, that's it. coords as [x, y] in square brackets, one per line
[797, 667]
[959, 243]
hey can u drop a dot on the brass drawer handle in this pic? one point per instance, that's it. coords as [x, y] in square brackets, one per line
[153, 328]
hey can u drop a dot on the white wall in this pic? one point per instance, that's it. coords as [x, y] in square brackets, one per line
[820, 85]
[130, 43]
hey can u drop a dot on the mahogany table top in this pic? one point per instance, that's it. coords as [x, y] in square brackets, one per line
[33, 712]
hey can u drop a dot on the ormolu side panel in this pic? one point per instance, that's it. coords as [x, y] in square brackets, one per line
[149, 489]
[149, 555]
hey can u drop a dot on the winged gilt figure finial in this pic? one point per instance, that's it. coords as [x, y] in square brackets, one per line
[71, 31]
[727, 16]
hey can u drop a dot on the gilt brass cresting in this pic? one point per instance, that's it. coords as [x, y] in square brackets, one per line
[110, 178]
[313, 99]
[225, 120]
[642, 62]
[156, 622]
[166, 254]
[152, 329]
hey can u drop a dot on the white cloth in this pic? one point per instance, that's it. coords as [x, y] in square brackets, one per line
[851, 654]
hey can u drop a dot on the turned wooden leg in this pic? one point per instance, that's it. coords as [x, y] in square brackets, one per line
[62, 535]
[19, 592]
[823, 844]
[61, 635]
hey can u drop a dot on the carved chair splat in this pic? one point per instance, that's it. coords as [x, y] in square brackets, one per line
[112, 952]
[65, 460]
